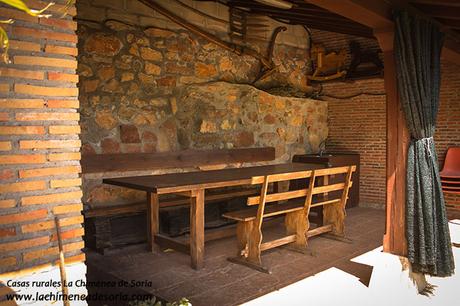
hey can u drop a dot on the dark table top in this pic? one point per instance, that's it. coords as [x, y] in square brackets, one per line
[184, 181]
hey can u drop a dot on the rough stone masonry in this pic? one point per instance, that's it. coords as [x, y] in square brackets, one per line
[157, 90]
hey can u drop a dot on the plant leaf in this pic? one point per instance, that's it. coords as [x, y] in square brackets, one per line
[5, 44]
[19, 4]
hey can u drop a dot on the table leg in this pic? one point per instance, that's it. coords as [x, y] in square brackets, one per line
[153, 218]
[197, 228]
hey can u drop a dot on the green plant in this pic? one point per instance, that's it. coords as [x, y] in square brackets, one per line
[20, 5]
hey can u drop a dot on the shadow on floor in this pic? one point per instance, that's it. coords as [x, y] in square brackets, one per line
[168, 274]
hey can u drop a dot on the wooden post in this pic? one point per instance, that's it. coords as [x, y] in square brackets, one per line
[394, 240]
[65, 290]
[197, 228]
[153, 218]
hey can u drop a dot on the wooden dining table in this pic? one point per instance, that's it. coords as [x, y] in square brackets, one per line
[193, 185]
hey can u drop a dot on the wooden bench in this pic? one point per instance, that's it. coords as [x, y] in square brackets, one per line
[112, 165]
[295, 205]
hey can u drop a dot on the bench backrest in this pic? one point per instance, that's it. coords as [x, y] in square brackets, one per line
[180, 159]
[317, 185]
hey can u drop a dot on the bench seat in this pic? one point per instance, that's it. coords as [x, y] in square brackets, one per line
[139, 207]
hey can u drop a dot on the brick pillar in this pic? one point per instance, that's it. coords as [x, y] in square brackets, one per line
[39, 142]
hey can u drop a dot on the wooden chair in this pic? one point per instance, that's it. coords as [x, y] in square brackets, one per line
[295, 205]
[450, 173]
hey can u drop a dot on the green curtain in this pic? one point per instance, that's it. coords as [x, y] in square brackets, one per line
[418, 44]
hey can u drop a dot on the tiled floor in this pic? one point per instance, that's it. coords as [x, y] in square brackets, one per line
[223, 283]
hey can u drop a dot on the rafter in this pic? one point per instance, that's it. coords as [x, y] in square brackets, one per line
[451, 23]
[440, 11]
[303, 13]
[438, 2]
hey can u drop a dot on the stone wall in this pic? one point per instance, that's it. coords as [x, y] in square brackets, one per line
[148, 85]
[39, 144]
[130, 76]
[222, 115]
[126, 80]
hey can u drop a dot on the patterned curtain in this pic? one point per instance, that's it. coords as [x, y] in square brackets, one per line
[418, 44]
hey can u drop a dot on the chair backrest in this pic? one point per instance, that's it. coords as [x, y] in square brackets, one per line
[318, 184]
[336, 192]
[452, 161]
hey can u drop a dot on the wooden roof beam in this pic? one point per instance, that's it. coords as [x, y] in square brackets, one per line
[376, 14]
[438, 2]
[371, 13]
[439, 11]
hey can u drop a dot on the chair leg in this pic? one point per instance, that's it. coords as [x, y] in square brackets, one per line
[255, 240]
[297, 224]
[335, 215]
[242, 234]
[249, 241]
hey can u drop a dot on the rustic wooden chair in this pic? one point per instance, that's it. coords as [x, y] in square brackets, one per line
[295, 205]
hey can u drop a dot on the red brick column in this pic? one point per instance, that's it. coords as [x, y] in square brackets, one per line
[39, 141]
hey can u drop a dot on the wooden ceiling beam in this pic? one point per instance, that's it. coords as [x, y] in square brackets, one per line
[451, 52]
[438, 2]
[376, 14]
[451, 23]
[312, 17]
[439, 11]
[371, 13]
[328, 27]
[303, 13]
[295, 10]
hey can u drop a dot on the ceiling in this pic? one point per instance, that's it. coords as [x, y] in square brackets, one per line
[306, 14]
[446, 12]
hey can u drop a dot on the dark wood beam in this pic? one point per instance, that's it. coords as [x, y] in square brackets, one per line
[311, 19]
[451, 23]
[308, 15]
[328, 27]
[439, 11]
[297, 11]
[451, 52]
[373, 14]
[439, 2]
[300, 14]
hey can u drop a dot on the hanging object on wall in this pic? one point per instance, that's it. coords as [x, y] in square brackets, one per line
[245, 27]
[329, 66]
[267, 65]
[238, 25]
[265, 72]
[236, 48]
[364, 63]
